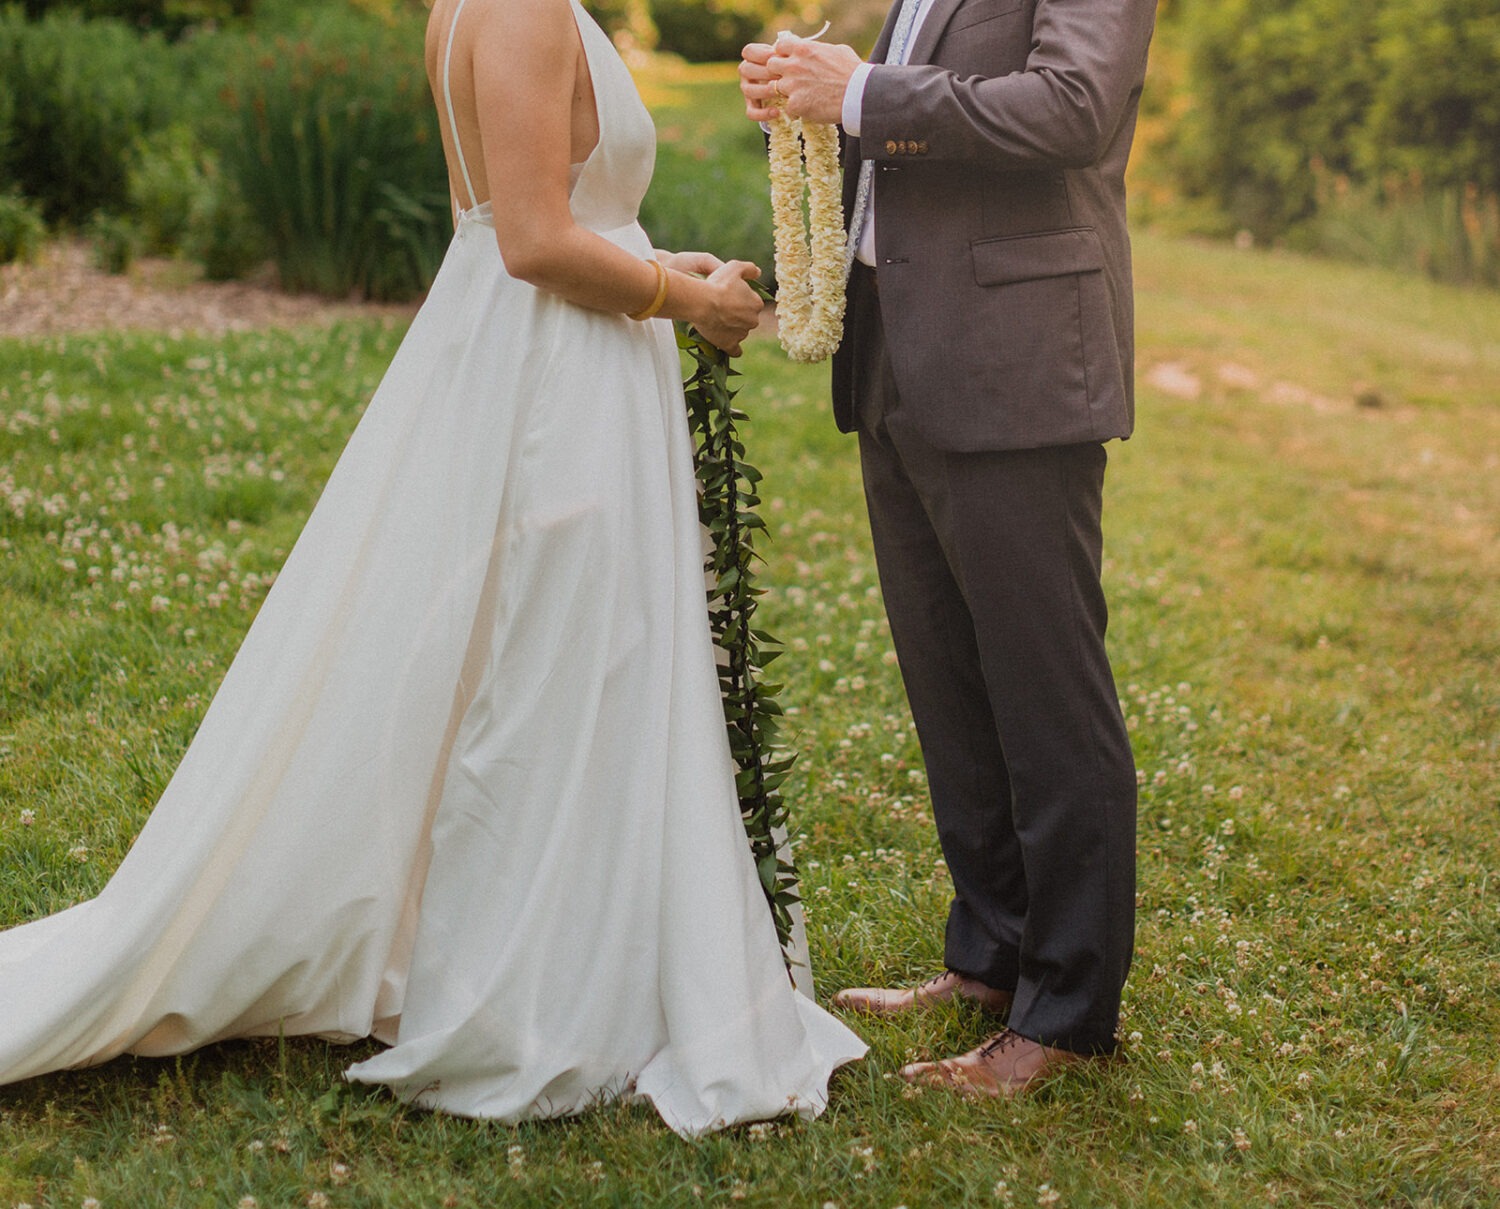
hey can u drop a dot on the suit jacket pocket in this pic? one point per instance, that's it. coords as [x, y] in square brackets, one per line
[1050, 345]
[976, 11]
[1034, 257]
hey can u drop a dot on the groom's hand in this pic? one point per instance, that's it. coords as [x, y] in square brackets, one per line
[755, 83]
[811, 76]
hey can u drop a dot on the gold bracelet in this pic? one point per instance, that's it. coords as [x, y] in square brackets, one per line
[661, 293]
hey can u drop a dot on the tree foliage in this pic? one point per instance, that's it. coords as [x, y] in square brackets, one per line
[1286, 90]
[1436, 107]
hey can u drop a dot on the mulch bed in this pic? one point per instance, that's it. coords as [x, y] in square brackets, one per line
[62, 291]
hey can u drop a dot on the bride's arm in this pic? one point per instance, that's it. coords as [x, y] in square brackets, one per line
[526, 57]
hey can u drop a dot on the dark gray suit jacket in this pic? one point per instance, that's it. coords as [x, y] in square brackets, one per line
[1002, 256]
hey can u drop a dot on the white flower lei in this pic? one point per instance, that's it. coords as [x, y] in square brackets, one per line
[810, 258]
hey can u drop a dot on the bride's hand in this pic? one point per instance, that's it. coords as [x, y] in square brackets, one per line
[732, 309]
[699, 264]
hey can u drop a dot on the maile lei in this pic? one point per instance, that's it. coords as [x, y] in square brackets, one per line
[809, 257]
[810, 316]
[727, 500]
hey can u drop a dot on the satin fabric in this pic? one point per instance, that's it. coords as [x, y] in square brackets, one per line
[465, 786]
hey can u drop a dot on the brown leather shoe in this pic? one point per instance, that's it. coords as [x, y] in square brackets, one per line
[1007, 1065]
[950, 985]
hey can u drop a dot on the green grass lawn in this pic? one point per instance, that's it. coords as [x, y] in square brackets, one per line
[1303, 564]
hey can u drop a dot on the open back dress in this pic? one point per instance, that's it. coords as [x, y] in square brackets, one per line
[466, 786]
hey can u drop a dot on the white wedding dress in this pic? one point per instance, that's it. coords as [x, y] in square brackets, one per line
[466, 786]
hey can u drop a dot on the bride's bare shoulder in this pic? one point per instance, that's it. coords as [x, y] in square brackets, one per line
[517, 29]
[537, 16]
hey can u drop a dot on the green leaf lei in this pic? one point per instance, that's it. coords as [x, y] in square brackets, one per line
[726, 504]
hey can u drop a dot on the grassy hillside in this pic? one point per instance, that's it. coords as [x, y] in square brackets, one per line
[1302, 560]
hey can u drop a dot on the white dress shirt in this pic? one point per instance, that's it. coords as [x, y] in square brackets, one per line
[854, 96]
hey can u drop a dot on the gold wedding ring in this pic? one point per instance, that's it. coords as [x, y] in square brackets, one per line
[776, 89]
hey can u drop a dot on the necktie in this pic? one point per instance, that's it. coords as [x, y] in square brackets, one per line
[895, 52]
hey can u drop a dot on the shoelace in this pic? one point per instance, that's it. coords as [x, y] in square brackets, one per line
[1000, 1042]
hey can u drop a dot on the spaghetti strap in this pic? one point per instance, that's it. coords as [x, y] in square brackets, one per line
[458, 147]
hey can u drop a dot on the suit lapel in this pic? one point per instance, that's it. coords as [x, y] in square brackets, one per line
[932, 29]
[883, 43]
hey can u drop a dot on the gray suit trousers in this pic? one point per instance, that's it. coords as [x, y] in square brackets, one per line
[990, 567]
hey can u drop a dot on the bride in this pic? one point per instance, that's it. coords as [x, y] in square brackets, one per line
[466, 787]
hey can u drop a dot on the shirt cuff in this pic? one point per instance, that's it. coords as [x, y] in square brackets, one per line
[854, 99]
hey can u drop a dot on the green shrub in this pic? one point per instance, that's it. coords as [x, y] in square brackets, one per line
[116, 241]
[167, 179]
[1279, 84]
[713, 196]
[1447, 233]
[22, 231]
[1290, 94]
[335, 150]
[82, 93]
[632, 18]
[7, 103]
[222, 234]
[169, 16]
[708, 31]
[1437, 101]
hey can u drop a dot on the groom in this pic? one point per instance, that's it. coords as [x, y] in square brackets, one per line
[987, 356]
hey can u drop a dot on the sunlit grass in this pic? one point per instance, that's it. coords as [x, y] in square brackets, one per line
[1305, 623]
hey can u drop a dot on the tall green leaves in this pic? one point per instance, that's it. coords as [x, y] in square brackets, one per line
[726, 506]
[336, 151]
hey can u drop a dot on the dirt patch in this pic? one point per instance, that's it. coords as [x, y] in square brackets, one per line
[61, 291]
